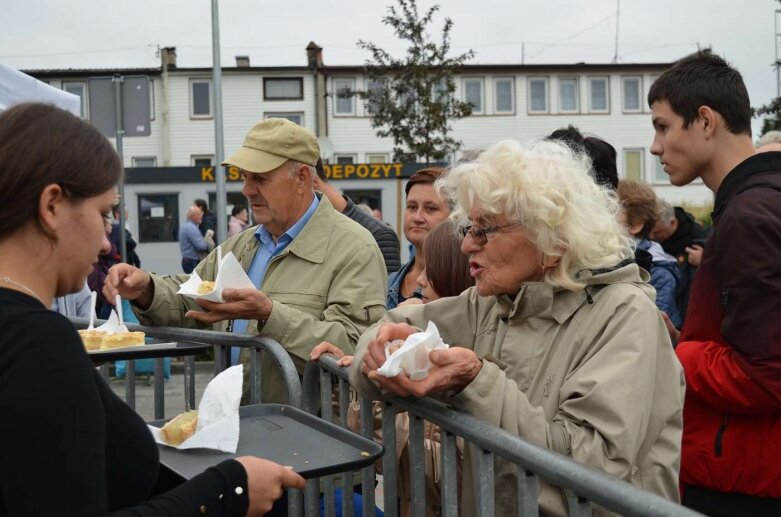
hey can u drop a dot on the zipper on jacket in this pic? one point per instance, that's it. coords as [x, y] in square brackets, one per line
[720, 435]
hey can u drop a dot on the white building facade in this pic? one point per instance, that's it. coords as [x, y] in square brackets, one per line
[509, 101]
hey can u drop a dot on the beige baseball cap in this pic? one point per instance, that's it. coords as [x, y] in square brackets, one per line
[271, 143]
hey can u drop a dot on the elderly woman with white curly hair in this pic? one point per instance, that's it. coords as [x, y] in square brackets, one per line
[559, 342]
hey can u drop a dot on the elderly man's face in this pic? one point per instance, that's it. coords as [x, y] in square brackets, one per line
[277, 197]
[506, 261]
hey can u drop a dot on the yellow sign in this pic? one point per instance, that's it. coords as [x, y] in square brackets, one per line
[231, 174]
[378, 171]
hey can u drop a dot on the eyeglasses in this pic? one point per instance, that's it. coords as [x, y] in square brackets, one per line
[480, 235]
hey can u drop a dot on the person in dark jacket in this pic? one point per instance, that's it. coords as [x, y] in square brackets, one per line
[639, 212]
[130, 243]
[386, 238]
[209, 221]
[730, 345]
[682, 237]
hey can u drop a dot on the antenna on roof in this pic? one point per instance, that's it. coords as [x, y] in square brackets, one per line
[618, 14]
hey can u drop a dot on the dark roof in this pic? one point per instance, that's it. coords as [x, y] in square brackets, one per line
[504, 67]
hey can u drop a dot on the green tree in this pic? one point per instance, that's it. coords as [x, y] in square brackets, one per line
[410, 99]
[772, 110]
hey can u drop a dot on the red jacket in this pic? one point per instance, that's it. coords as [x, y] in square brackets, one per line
[730, 347]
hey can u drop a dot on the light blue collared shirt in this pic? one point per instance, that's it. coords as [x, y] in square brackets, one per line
[268, 250]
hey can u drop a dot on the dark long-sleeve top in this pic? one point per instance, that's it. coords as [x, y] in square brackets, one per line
[386, 238]
[70, 446]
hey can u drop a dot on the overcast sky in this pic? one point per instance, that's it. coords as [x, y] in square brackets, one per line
[45, 34]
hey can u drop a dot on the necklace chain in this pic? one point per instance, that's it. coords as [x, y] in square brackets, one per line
[8, 280]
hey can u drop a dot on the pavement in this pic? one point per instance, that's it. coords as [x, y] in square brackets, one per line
[174, 402]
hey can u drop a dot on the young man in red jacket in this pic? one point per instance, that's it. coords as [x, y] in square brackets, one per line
[730, 345]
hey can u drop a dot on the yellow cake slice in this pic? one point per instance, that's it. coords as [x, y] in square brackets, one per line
[92, 338]
[206, 287]
[180, 428]
[122, 339]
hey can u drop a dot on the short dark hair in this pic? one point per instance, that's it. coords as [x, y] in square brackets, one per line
[201, 203]
[602, 154]
[704, 79]
[41, 145]
[447, 268]
[237, 209]
[427, 175]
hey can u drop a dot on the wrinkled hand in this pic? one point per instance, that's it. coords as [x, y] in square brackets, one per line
[130, 283]
[375, 351]
[239, 304]
[327, 348]
[694, 254]
[674, 333]
[266, 481]
[452, 370]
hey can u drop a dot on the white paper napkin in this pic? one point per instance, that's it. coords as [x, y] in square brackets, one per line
[230, 275]
[218, 415]
[112, 324]
[412, 357]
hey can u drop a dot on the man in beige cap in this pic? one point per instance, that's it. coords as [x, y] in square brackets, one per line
[320, 276]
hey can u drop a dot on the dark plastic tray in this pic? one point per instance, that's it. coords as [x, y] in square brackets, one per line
[148, 351]
[285, 435]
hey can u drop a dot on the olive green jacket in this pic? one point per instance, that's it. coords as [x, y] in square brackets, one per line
[329, 284]
[590, 374]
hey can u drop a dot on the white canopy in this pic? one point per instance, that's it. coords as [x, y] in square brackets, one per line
[17, 87]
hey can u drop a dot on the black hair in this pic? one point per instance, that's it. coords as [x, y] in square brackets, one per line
[602, 154]
[41, 145]
[704, 79]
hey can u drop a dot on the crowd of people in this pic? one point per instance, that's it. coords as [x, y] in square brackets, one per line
[583, 314]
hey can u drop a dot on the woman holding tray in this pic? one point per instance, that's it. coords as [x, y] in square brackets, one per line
[70, 445]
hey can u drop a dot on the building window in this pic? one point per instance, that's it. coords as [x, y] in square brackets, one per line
[292, 116]
[158, 219]
[631, 88]
[202, 160]
[598, 95]
[473, 94]
[538, 95]
[344, 104]
[633, 164]
[200, 98]
[344, 159]
[372, 86]
[79, 89]
[504, 95]
[233, 199]
[151, 99]
[659, 175]
[439, 91]
[569, 95]
[283, 88]
[377, 158]
[144, 161]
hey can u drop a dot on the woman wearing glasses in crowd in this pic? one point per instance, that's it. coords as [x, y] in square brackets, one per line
[559, 342]
[424, 210]
[70, 445]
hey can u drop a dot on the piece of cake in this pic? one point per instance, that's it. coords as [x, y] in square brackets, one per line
[92, 338]
[180, 428]
[206, 287]
[122, 339]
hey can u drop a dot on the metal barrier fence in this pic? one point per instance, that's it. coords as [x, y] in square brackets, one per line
[582, 485]
[222, 342]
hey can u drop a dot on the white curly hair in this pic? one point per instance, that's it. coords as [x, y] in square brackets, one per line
[546, 187]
